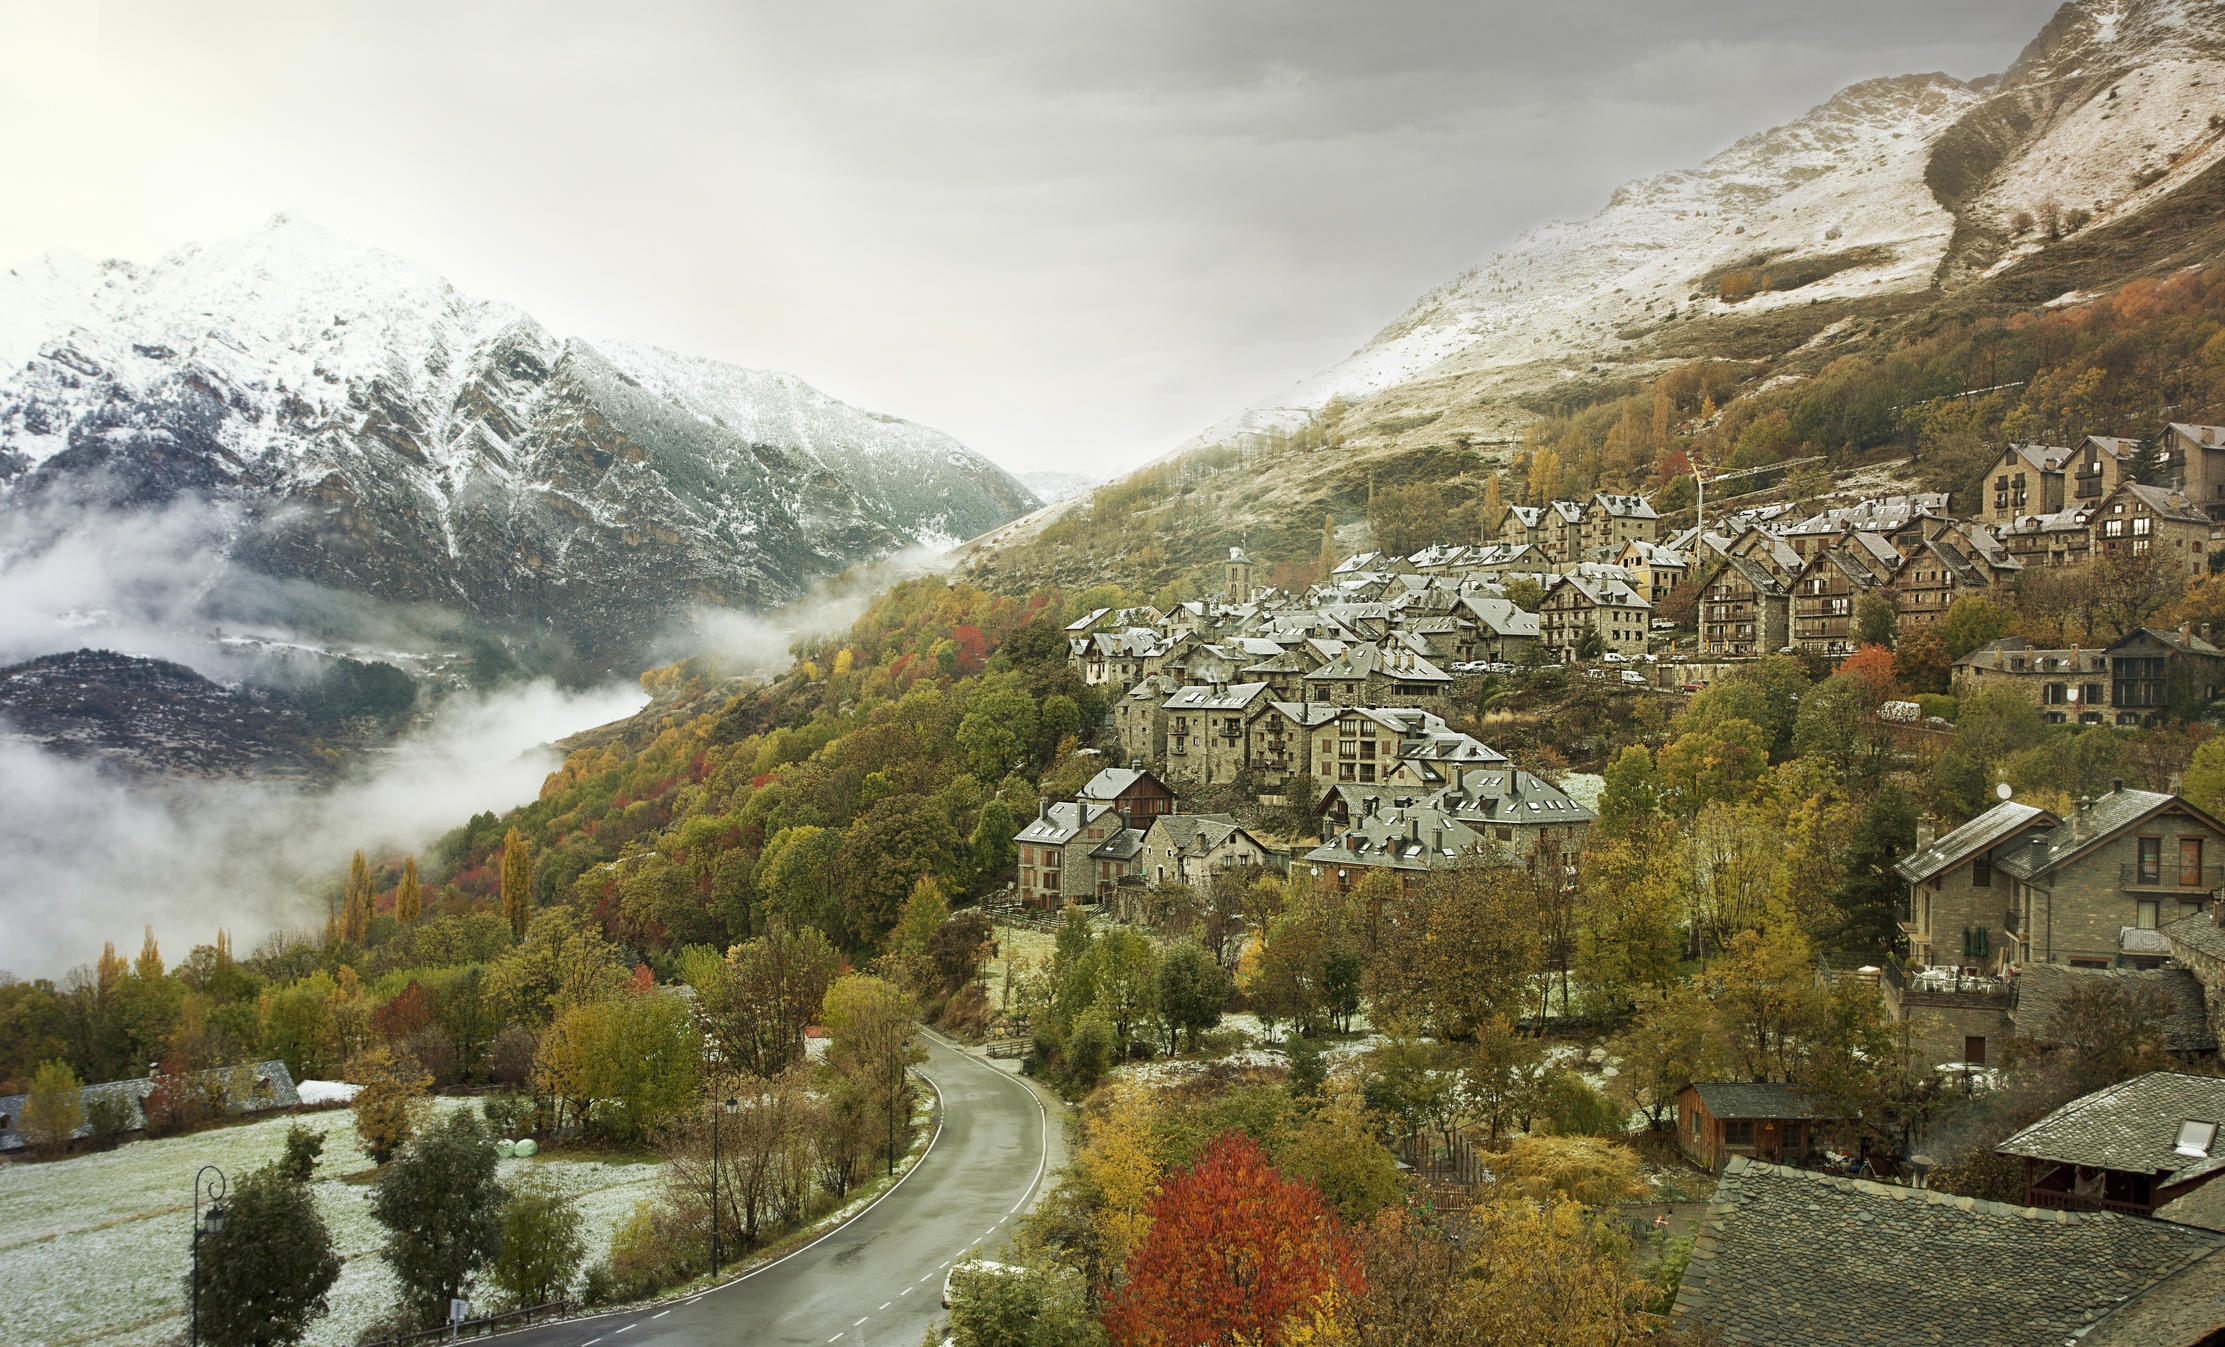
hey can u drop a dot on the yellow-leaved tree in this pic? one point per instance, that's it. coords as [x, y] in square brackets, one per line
[1121, 1157]
[355, 912]
[517, 882]
[390, 1103]
[409, 899]
[56, 1108]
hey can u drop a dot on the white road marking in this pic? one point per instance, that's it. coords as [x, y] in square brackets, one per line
[629, 1328]
[908, 1290]
[861, 1321]
[660, 1314]
[590, 1342]
[884, 1305]
[836, 1338]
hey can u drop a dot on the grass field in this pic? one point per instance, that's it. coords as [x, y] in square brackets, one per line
[93, 1249]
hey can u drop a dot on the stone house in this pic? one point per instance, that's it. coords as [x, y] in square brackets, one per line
[2028, 479]
[2197, 944]
[1279, 739]
[1655, 569]
[2064, 538]
[1521, 525]
[1824, 595]
[1563, 530]
[1409, 842]
[2151, 520]
[1516, 811]
[1369, 675]
[1115, 660]
[1204, 733]
[1744, 610]
[2139, 680]
[1958, 897]
[1055, 846]
[1611, 521]
[1134, 794]
[1764, 1120]
[2193, 463]
[1137, 723]
[1192, 848]
[2100, 465]
[1606, 604]
[1503, 630]
[1939, 570]
[2121, 866]
[2133, 1148]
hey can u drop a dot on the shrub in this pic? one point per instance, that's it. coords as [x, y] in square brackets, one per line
[968, 1012]
[1089, 1054]
[541, 1245]
[303, 1146]
[1936, 704]
[651, 1250]
[1574, 1108]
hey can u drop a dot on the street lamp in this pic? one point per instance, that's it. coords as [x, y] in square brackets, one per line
[729, 1106]
[210, 1224]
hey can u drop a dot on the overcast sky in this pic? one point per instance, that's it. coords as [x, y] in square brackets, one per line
[1070, 235]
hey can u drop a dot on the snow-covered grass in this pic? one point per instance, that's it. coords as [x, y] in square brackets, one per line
[94, 1248]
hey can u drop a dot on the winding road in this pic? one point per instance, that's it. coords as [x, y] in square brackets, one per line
[877, 1281]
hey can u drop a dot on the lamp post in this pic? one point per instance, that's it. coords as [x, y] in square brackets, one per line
[729, 1106]
[211, 1224]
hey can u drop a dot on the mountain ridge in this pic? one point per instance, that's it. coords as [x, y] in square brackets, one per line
[383, 433]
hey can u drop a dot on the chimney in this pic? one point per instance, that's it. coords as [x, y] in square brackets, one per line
[1042, 810]
[1927, 830]
[1997, 661]
[2039, 852]
[2206, 634]
[2186, 629]
[2116, 785]
[2081, 819]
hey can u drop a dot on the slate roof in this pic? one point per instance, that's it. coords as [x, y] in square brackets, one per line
[1754, 1099]
[1413, 837]
[2043, 988]
[1108, 784]
[2130, 1127]
[1059, 823]
[1986, 831]
[1483, 796]
[2198, 933]
[2110, 812]
[2179, 1311]
[1787, 1256]
[251, 1088]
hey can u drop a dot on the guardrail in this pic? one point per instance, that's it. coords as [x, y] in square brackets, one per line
[472, 1328]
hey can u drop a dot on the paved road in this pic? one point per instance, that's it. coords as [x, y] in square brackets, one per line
[877, 1281]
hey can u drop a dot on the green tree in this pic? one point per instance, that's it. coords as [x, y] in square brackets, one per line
[1972, 622]
[303, 1146]
[1337, 1152]
[871, 1022]
[1874, 618]
[442, 1210]
[993, 831]
[888, 850]
[1590, 645]
[799, 875]
[1043, 1306]
[637, 1056]
[1525, 593]
[1724, 763]
[1193, 994]
[1631, 795]
[55, 1109]
[542, 1244]
[265, 1276]
[924, 913]
[1127, 981]
[764, 994]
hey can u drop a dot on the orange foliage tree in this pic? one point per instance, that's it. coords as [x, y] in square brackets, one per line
[1236, 1252]
[1872, 668]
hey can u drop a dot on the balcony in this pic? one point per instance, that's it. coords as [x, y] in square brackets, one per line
[2048, 1199]
[2189, 881]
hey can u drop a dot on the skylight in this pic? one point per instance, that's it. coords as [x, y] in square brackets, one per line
[2195, 1138]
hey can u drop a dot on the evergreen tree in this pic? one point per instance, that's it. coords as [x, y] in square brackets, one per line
[409, 900]
[1328, 546]
[265, 1275]
[517, 881]
[442, 1210]
[1870, 895]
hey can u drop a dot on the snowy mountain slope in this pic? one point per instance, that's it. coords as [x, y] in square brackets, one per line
[1891, 187]
[378, 431]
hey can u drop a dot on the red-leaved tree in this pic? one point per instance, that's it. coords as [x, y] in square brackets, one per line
[1234, 1249]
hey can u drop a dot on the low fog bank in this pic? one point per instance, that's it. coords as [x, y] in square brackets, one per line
[91, 857]
[758, 644]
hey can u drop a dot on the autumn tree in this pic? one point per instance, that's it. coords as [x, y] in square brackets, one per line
[1457, 956]
[1235, 1253]
[1123, 1158]
[355, 912]
[872, 1022]
[389, 1100]
[885, 853]
[1336, 1151]
[517, 881]
[55, 1109]
[408, 898]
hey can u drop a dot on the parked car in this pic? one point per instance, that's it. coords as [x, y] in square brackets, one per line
[1615, 657]
[1499, 667]
[1633, 677]
[1692, 687]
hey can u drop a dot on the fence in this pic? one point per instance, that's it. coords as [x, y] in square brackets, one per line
[1434, 1161]
[473, 1328]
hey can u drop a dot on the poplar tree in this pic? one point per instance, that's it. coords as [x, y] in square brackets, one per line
[517, 882]
[408, 900]
[1328, 546]
[355, 913]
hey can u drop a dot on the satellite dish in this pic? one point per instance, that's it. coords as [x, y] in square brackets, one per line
[2002, 790]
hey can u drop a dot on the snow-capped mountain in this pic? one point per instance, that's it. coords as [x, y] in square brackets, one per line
[375, 430]
[1892, 187]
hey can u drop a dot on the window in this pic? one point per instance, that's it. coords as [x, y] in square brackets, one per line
[2190, 862]
[1738, 1132]
[2195, 1138]
[2151, 860]
[1981, 873]
[2150, 914]
[1974, 1051]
